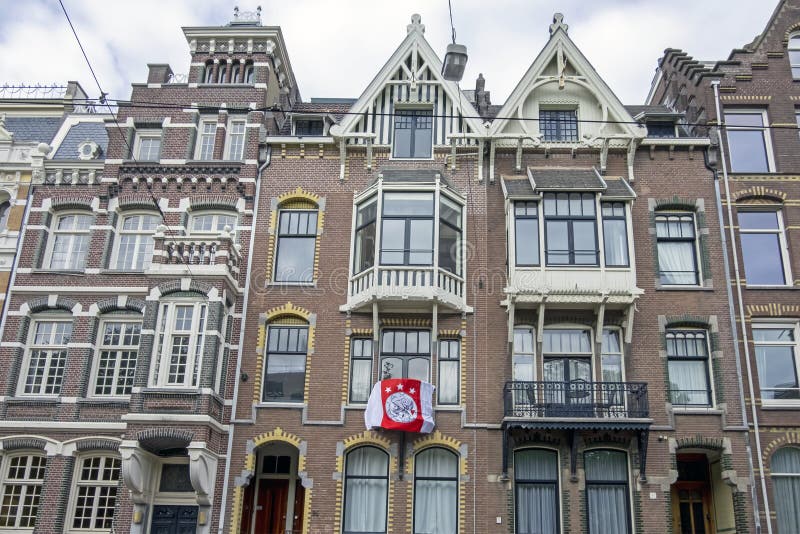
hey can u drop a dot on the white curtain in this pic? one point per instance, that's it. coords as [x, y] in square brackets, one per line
[366, 498]
[448, 381]
[536, 509]
[436, 492]
[786, 483]
[676, 263]
[608, 502]
[688, 382]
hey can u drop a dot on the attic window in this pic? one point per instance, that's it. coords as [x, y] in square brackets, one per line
[88, 150]
[660, 129]
[307, 127]
[559, 124]
[413, 133]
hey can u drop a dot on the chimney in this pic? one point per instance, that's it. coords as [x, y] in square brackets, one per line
[158, 73]
[482, 96]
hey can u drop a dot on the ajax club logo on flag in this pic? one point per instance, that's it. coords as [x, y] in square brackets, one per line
[401, 404]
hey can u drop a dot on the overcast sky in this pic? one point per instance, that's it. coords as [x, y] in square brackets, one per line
[337, 46]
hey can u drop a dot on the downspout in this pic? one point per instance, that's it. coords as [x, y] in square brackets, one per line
[15, 265]
[735, 334]
[226, 476]
[745, 341]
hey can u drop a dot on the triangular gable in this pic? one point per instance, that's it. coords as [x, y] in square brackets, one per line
[5, 135]
[561, 75]
[412, 75]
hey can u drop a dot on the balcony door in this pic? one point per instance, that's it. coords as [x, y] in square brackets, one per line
[567, 355]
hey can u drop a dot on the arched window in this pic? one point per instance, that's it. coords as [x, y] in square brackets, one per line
[135, 242]
[95, 493]
[607, 502]
[236, 71]
[208, 73]
[366, 491]
[436, 492]
[536, 491]
[786, 488]
[297, 238]
[23, 476]
[5, 209]
[249, 74]
[222, 71]
[285, 369]
[70, 242]
[794, 55]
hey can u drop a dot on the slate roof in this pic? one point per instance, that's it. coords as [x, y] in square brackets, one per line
[337, 109]
[80, 132]
[618, 188]
[658, 109]
[518, 187]
[39, 129]
[565, 179]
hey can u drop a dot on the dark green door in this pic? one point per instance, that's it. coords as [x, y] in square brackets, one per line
[174, 520]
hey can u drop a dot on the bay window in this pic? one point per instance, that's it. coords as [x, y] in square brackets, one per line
[526, 233]
[615, 234]
[450, 236]
[364, 253]
[570, 229]
[181, 339]
[407, 231]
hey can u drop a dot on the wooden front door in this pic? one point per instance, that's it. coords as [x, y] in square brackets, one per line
[271, 503]
[691, 508]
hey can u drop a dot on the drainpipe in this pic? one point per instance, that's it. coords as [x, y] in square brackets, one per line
[735, 334]
[745, 340]
[226, 477]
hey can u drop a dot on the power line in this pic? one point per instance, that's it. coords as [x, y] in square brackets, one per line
[104, 100]
[145, 104]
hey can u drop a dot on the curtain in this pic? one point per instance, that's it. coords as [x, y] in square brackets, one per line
[361, 382]
[676, 263]
[786, 481]
[366, 498]
[536, 502]
[688, 382]
[436, 492]
[448, 381]
[608, 502]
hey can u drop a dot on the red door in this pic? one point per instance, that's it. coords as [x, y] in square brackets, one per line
[273, 496]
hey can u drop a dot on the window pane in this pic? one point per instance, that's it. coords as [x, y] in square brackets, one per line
[449, 248]
[688, 380]
[418, 369]
[585, 242]
[744, 119]
[527, 241]
[785, 335]
[535, 464]
[421, 242]
[420, 204]
[365, 248]
[436, 492]
[448, 382]
[758, 220]
[608, 508]
[763, 262]
[295, 262]
[557, 240]
[747, 150]
[361, 380]
[677, 263]
[393, 241]
[606, 466]
[285, 377]
[615, 240]
[366, 498]
[777, 372]
[450, 211]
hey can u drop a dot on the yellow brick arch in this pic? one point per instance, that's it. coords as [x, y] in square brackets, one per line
[790, 439]
[789, 31]
[277, 435]
[287, 309]
[298, 195]
[760, 193]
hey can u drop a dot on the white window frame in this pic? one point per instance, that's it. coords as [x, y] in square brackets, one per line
[782, 243]
[95, 487]
[137, 144]
[229, 140]
[165, 338]
[764, 131]
[55, 232]
[793, 47]
[140, 234]
[51, 349]
[795, 327]
[128, 321]
[200, 154]
[27, 484]
[215, 216]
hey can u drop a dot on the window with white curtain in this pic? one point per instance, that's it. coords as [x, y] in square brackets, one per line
[676, 243]
[406, 354]
[46, 357]
[95, 494]
[360, 369]
[536, 508]
[449, 371]
[366, 491]
[612, 371]
[607, 504]
[615, 234]
[70, 242]
[689, 383]
[23, 477]
[135, 244]
[777, 358]
[785, 469]
[436, 492]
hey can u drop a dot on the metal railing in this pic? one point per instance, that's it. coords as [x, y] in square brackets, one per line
[578, 398]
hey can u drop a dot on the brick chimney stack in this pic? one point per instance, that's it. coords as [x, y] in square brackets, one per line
[482, 96]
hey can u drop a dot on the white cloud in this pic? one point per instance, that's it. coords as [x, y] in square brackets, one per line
[337, 47]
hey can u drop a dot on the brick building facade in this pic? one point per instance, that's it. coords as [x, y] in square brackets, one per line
[194, 331]
[748, 102]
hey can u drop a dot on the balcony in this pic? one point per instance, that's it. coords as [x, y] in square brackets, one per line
[206, 256]
[574, 284]
[407, 285]
[595, 404]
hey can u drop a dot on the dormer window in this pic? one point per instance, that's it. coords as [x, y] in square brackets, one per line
[413, 133]
[559, 125]
[661, 129]
[308, 127]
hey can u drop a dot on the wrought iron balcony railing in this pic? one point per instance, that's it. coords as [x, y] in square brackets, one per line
[576, 399]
